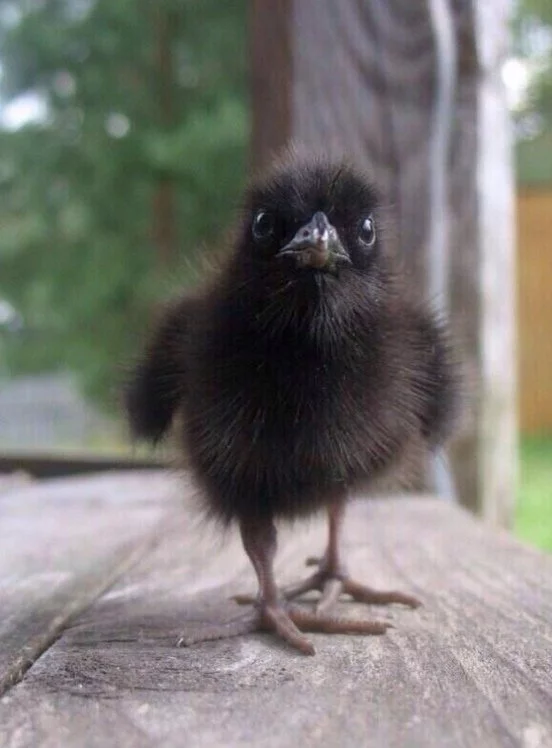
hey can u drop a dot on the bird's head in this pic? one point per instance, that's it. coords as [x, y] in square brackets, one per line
[311, 217]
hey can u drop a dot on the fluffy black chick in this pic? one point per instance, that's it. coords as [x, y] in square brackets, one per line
[304, 371]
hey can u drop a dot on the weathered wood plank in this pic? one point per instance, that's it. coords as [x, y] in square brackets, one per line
[473, 667]
[54, 464]
[11, 480]
[62, 544]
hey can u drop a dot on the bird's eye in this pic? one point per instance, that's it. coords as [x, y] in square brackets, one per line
[367, 233]
[263, 225]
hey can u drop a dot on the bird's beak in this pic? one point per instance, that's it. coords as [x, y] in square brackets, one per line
[316, 245]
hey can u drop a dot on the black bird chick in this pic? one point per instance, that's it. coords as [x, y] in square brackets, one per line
[303, 373]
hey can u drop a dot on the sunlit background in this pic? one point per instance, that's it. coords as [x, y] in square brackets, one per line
[123, 150]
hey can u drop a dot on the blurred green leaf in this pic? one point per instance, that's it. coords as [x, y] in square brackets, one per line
[138, 95]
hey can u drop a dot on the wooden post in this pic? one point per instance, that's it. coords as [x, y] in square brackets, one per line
[359, 77]
[495, 192]
[270, 78]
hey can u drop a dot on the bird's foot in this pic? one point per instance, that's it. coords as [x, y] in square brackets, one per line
[288, 621]
[331, 583]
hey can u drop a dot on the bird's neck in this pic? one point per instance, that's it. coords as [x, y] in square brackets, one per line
[322, 312]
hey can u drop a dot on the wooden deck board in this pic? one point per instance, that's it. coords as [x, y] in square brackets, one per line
[473, 667]
[61, 544]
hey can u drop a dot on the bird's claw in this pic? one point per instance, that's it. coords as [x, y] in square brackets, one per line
[331, 586]
[331, 583]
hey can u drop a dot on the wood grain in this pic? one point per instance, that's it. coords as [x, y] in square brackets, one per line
[473, 667]
[62, 544]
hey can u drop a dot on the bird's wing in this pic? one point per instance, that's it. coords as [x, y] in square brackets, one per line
[158, 382]
[437, 377]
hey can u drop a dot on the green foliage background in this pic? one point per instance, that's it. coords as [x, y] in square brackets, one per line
[534, 505]
[79, 253]
[532, 41]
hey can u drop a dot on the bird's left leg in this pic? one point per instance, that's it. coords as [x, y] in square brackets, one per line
[332, 578]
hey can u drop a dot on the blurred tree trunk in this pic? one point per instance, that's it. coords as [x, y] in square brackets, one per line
[360, 77]
[164, 216]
